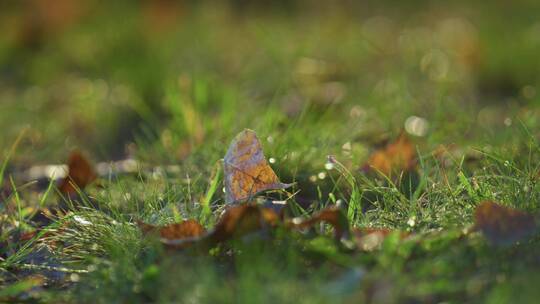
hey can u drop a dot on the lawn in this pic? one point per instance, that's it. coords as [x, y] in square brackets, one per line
[427, 110]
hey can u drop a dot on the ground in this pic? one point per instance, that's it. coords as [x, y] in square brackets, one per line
[170, 84]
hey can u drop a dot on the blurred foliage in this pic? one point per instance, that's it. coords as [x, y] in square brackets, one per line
[181, 73]
[171, 82]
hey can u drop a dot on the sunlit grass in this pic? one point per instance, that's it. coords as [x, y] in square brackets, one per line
[461, 83]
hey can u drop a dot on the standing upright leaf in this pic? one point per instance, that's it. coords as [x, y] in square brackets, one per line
[246, 170]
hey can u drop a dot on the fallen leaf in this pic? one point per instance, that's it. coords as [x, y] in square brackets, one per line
[241, 220]
[246, 169]
[237, 221]
[80, 174]
[334, 216]
[186, 230]
[395, 158]
[503, 225]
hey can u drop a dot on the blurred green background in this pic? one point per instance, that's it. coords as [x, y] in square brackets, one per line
[171, 83]
[163, 78]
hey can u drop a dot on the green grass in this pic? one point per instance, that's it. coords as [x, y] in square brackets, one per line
[312, 80]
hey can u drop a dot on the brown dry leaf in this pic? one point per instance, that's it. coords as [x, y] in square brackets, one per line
[185, 229]
[503, 225]
[183, 234]
[236, 221]
[395, 158]
[80, 174]
[241, 220]
[246, 170]
[332, 215]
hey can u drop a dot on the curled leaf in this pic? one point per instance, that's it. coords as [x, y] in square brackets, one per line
[80, 174]
[246, 169]
[396, 157]
[503, 225]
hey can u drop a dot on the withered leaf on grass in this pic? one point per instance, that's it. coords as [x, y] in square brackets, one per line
[395, 158]
[184, 229]
[238, 221]
[244, 219]
[80, 174]
[503, 225]
[246, 171]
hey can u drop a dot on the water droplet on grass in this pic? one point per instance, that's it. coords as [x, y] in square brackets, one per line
[417, 126]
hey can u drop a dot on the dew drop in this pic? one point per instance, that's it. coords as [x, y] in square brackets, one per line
[417, 126]
[74, 277]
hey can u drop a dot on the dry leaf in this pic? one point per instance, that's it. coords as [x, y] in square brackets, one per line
[333, 216]
[503, 225]
[241, 220]
[246, 170]
[183, 234]
[238, 221]
[395, 158]
[80, 174]
[185, 229]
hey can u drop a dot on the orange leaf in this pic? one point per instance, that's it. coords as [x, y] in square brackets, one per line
[246, 170]
[503, 225]
[238, 221]
[333, 216]
[179, 235]
[185, 229]
[80, 174]
[394, 158]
